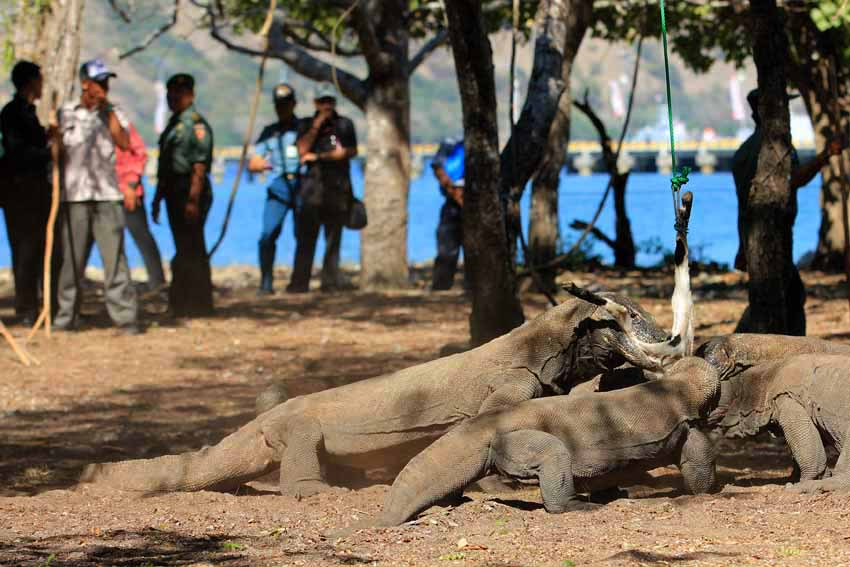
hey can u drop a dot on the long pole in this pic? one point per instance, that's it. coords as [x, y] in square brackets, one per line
[842, 169]
[264, 31]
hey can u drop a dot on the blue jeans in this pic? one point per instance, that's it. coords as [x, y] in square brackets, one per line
[274, 213]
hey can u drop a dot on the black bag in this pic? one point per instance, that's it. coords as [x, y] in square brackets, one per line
[357, 218]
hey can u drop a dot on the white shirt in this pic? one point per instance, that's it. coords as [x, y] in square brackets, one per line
[88, 168]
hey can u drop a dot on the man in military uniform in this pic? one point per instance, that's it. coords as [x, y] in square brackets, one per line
[25, 194]
[326, 145]
[276, 153]
[185, 158]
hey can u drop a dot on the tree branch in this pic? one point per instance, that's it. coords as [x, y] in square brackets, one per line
[155, 34]
[581, 225]
[604, 138]
[353, 88]
[426, 50]
[377, 60]
[321, 43]
[122, 13]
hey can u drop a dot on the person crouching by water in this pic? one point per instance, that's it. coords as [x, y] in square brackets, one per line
[185, 158]
[327, 144]
[448, 167]
[277, 153]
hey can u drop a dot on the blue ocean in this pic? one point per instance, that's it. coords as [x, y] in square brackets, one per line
[713, 232]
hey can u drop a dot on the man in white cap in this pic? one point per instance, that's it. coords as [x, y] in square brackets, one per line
[90, 130]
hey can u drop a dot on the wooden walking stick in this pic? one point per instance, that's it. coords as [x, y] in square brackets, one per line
[44, 316]
[11, 340]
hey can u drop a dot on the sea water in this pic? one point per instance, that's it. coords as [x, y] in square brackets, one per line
[713, 232]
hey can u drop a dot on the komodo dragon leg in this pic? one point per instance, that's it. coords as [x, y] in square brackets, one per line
[299, 441]
[527, 454]
[697, 462]
[840, 480]
[521, 386]
[802, 437]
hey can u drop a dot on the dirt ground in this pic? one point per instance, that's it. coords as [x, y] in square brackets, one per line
[100, 396]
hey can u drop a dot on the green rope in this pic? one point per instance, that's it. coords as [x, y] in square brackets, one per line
[680, 176]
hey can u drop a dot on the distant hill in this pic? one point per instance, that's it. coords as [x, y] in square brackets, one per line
[226, 81]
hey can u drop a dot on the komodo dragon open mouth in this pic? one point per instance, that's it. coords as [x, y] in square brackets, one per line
[656, 356]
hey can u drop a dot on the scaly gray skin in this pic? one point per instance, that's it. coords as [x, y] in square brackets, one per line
[576, 442]
[733, 354]
[808, 397]
[383, 422]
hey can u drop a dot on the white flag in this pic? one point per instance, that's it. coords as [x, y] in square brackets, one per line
[736, 100]
[618, 107]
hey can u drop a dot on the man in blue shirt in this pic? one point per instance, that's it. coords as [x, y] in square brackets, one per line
[276, 153]
[449, 169]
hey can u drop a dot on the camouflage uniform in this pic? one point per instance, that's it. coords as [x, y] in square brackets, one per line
[187, 140]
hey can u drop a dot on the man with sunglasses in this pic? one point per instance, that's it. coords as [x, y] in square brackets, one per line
[90, 130]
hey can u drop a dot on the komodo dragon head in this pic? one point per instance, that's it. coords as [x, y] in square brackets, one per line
[611, 346]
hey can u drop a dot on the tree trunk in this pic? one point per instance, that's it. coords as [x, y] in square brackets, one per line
[543, 230]
[495, 306]
[624, 252]
[50, 36]
[383, 246]
[813, 77]
[776, 293]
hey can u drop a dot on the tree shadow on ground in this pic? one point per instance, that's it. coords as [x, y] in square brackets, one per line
[45, 449]
[151, 546]
[650, 557]
[148, 546]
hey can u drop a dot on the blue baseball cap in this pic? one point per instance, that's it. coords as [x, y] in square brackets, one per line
[95, 70]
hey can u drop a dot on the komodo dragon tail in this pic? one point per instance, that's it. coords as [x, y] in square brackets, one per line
[238, 458]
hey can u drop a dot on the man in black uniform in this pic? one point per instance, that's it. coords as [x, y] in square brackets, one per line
[25, 192]
[185, 158]
[326, 144]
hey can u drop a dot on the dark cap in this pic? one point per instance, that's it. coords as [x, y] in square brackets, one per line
[95, 70]
[753, 97]
[181, 81]
[325, 91]
[283, 92]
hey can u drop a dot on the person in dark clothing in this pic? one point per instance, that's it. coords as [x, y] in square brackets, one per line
[25, 191]
[326, 145]
[185, 158]
[276, 153]
[448, 169]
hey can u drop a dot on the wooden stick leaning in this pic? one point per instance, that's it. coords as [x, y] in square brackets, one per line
[44, 316]
[836, 116]
[252, 116]
[22, 355]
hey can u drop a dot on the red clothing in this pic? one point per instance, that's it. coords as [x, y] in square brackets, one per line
[130, 163]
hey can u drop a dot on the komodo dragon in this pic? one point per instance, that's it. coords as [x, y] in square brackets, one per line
[808, 397]
[577, 442]
[383, 421]
[733, 354]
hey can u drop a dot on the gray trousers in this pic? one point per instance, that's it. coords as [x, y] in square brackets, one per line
[103, 222]
[137, 224]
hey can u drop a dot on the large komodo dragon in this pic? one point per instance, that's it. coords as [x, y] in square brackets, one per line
[808, 397]
[577, 442]
[384, 421]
